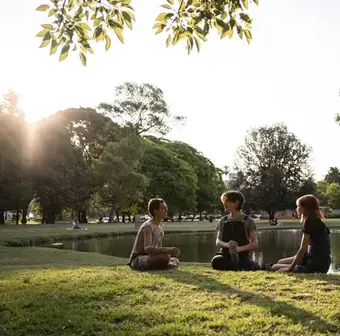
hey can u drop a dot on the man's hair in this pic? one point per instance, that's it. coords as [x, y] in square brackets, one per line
[233, 196]
[154, 205]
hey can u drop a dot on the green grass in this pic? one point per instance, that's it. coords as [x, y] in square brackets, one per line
[61, 292]
[69, 298]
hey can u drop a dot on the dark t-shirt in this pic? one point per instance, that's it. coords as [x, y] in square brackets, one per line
[319, 248]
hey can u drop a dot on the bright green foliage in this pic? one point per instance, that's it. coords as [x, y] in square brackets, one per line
[75, 23]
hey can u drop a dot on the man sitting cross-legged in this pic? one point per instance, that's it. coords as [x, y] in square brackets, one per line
[147, 252]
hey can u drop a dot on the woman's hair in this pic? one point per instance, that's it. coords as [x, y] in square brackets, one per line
[309, 206]
[233, 196]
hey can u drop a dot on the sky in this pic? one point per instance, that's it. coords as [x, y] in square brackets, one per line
[289, 73]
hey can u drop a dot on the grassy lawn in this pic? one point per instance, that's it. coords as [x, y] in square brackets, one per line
[61, 292]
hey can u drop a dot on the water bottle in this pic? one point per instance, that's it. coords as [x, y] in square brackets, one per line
[234, 259]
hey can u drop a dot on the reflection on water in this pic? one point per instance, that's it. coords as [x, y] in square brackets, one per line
[200, 247]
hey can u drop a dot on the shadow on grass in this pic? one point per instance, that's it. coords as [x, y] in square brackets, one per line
[278, 308]
[322, 278]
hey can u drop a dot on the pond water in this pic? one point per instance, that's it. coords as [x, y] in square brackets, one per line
[200, 246]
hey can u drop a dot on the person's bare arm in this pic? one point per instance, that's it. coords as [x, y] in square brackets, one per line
[149, 249]
[219, 242]
[253, 244]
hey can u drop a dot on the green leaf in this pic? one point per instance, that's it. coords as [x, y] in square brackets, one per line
[47, 26]
[98, 33]
[64, 52]
[245, 17]
[245, 3]
[239, 31]
[132, 16]
[224, 15]
[84, 25]
[247, 34]
[171, 2]
[42, 8]
[161, 17]
[198, 43]
[42, 33]
[168, 41]
[119, 34]
[256, 1]
[82, 58]
[54, 47]
[166, 6]
[220, 23]
[52, 12]
[44, 43]
[108, 42]
[97, 22]
[229, 33]
[127, 19]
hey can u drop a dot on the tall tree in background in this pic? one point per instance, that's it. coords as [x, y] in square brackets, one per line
[73, 24]
[274, 163]
[118, 167]
[210, 185]
[142, 108]
[169, 177]
[15, 162]
[333, 175]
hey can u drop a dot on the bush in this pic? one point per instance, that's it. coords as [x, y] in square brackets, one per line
[332, 215]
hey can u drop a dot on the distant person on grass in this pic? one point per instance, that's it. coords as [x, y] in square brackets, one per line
[236, 236]
[314, 254]
[148, 252]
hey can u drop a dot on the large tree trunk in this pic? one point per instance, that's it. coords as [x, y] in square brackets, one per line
[123, 217]
[129, 217]
[201, 218]
[17, 219]
[117, 214]
[83, 217]
[49, 214]
[112, 214]
[2, 217]
[24, 215]
[60, 215]
[271, 214]
[193, 217]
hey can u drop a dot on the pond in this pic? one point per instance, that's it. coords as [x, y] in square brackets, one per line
[200, 246]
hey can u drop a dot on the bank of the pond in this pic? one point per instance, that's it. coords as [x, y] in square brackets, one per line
[28, 235]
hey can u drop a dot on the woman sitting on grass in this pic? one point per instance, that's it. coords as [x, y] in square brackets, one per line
[314, 254]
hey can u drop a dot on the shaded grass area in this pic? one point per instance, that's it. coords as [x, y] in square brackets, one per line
[25, 235]
[68, 298]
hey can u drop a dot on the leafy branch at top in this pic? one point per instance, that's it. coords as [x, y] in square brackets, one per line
[76, 23]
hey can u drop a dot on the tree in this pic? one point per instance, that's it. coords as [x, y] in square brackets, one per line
[141, 108]
[274, 163]
[71, 21]
[88, 132]
[15, 164]
[169, 177]
[333, 175]
[210, 185]
[333, 195]
[321, 192]
[118, 167]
